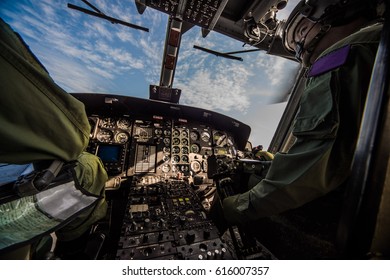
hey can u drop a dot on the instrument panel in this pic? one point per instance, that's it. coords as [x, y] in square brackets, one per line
[162, 147]
[156, 140]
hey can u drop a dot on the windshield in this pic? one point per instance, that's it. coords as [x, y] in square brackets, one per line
[87, 54]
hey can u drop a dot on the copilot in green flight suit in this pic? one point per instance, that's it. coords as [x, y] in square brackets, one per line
[326, 128]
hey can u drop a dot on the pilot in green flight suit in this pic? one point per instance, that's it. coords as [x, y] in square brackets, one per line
[339, 48]
[40, 122]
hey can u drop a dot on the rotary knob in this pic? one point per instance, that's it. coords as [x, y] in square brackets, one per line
[190, 236]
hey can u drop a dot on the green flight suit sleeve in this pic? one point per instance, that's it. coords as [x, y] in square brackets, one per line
[38, 119]
[326, 127]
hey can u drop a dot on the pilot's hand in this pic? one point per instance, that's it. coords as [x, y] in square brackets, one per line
[264, 156]
[260, 154]
[234, 207]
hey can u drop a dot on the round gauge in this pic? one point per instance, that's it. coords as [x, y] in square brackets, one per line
[167, 141]
[104, 135]
[123, 123]
[184, 141]
[166, 158]
[184, 150]
[184, 168]
[195, 148]
[175, 159]
[184, 134]
[176, 141]
[176, 133]
[121, 137]
[167, 149]
[194, 135]
[175, 149]
[158, 131]
[205, 136]
[165, 168]
[167, 132]
[107, 122]
[196, 166]
[184, 158]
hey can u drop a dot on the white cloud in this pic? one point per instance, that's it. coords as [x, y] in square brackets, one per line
[216, 90]
[101, 72]
[87, 54]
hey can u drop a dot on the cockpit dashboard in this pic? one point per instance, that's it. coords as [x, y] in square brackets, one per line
[157, 157]
[157, 140]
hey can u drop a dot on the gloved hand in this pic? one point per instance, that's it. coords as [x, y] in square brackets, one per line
[234, 208]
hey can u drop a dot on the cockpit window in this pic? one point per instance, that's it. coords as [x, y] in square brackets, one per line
[88, 54]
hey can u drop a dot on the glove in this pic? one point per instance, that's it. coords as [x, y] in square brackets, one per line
[234, 208]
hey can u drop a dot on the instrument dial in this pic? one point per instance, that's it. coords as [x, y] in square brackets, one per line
[108, 122]
[184, 142]
[194, 135]
[175, 149]
[196, 166]
[167, 141]
[195, 148]
[176, 159]
[104, 135]
[184, 134]
[176, 141]
[123, 123]
[184, 150]
[122, 137]
[165, 168]
[205, 136]
[176, 133]
[184, 159]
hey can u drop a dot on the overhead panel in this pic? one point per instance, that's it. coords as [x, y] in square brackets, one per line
[165, 6]
[204, 13]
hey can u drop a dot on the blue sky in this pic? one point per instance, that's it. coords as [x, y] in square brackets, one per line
[87, 54]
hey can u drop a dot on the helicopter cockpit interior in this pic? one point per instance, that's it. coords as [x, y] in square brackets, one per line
[168, 163]
[163, 158]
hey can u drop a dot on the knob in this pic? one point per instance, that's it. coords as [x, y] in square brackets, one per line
[190, 236]
[223, 252]
[216, 254]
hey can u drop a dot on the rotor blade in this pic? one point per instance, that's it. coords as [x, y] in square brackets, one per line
[111, 19]
[244, 51]
[93, 7]
[218, 53]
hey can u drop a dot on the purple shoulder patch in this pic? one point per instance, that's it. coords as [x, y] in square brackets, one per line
[330, 61]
